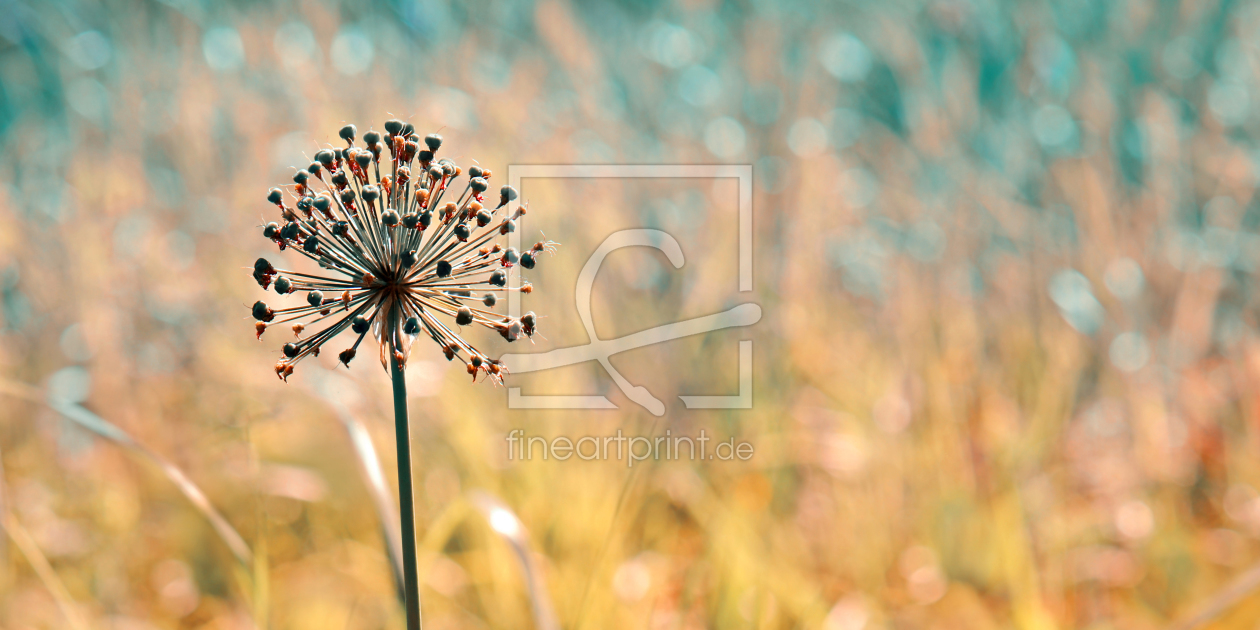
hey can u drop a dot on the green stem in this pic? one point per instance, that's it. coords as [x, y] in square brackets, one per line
[402, 434]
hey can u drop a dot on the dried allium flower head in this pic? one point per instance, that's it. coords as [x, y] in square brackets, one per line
[404, 253]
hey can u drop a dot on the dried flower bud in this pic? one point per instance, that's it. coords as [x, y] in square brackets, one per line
[390, 218]
[463, 316]
[478, 184]
[527, 260]
[262, 313]
[393, 126]
[359, 324]
[412, 327]
[290, 350]
[284, 285]
[462, 232]
[275, 195]
[315, 298]
[433, 141]
[347, 133]
[498, 278]
[490, 299]
[443, 269]
[345, 356]
[259, 329]
[506, 194]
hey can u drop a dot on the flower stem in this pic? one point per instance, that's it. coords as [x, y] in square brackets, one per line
[402, 434]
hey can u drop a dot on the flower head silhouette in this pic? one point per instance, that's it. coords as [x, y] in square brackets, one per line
[406, 253]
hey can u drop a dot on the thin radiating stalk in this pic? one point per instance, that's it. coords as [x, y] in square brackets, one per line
[402, 433]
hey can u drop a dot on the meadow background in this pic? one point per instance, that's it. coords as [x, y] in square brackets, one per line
[1006, 377]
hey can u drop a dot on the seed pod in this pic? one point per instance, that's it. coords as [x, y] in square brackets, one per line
[315, 298]
[272, 230]
[426, 219]
[483, 218]
[462, 232]
[490, 299]
[261, 265]
[347, 196]
[298, 327]
[290, 230]
[371, 138]
[346, 355]
[528, 322]
[443, 269]
[478, 184]
[433, 141]
[322, 203]
[371, 193]
[300, 177]
[284, 285]
[340, 180]
[463, 316]
[411, 220]
[425, 157]
[262, 313]
[341, 228]
[311, 245]
[407, 258]
[363, 158]
[259, 329]
[506, 194]
[325, 157]
[347, 133]
[474, 171]
[508, 227]
[315, 168]
[408, 130]
[527, 260]
[275, 195]
[390, 217]
[359, 325]
[290, 350]
[393, 126]
[511, 256]
[498, 278]
[412, 326]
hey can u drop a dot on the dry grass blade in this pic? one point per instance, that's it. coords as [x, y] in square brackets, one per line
[374, 477]
[1223, 600]
[94, 423]
[26, 545]
[505, 523]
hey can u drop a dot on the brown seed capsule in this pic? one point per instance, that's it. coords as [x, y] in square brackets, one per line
[345, 300]
[368, 280]
[260, 328]
[346, 356]
[284, 370]
[298, 327]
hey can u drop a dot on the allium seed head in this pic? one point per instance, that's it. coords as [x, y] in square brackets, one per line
[403, 244]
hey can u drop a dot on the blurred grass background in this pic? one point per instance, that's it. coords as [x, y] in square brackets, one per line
[1006, 376]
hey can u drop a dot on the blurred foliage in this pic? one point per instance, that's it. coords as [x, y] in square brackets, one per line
[1005, 250]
